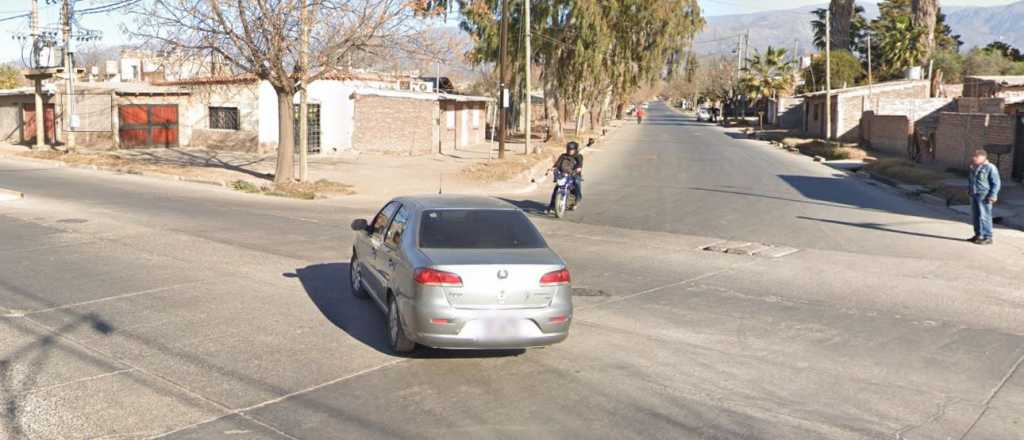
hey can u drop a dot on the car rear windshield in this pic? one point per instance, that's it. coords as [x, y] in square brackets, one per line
[478, 229]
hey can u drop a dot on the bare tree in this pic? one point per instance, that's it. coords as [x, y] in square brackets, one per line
[260, 38]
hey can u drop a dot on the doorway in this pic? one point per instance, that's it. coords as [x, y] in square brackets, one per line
[1018, 150]
[312, 128]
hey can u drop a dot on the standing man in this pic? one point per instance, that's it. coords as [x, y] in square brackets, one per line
[983, 186]
[640, 113]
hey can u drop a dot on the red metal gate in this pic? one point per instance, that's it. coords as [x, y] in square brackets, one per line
[143, 126]
[28, 127]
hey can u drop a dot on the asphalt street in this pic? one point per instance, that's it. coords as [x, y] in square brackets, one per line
[137, 308]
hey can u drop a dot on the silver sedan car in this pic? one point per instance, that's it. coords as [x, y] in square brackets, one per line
[461, 272]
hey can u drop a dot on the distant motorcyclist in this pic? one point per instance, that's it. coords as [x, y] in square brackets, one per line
[569, 163]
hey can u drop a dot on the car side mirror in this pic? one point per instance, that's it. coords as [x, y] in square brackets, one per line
[360, 225]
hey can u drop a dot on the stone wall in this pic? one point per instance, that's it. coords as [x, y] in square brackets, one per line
[960, 134]
[394, 125]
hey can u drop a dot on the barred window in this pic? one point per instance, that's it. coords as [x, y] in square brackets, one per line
[224, 118]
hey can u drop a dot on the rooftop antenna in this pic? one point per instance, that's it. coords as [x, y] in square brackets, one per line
[440, 183]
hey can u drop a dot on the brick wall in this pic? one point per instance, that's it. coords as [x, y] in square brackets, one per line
[396, 125]
[851, 106]
[887, 133]
[980, 105]
[959, 134]
[789, 112]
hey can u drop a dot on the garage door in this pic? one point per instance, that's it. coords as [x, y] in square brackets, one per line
[148, 126]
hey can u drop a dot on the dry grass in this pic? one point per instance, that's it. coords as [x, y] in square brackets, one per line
[832, 151]
[495, 170]
[907, 172]
[295, 190]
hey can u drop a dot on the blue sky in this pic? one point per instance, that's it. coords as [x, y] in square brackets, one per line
[110, 23]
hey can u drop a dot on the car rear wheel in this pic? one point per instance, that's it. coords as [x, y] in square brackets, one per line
[355, 275]
[400, 343]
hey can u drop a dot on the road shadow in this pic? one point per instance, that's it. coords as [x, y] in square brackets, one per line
[530, 207]
[327, 285]
[237, 162]
[884, 227]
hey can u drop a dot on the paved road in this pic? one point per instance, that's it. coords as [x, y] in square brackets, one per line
[681, 176]
[133, 308]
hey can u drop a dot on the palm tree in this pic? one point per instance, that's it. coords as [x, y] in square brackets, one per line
[899, 42]
[858, 30]
[926, 13]
[767, 74]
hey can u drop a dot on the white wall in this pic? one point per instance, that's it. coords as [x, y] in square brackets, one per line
[336, 111]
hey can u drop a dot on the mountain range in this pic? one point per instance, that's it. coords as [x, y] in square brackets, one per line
[789, 28]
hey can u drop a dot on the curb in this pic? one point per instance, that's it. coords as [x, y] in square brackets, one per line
[7, 195]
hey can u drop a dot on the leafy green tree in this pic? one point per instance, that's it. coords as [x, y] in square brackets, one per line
[1006, 50]
[986, 62]
[592, 54]
[846, 71]
[951, 64]
[10, 77]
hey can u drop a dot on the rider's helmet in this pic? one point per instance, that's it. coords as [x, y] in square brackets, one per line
[572, 147]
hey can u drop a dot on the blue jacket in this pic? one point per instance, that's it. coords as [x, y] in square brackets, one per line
[984, 181]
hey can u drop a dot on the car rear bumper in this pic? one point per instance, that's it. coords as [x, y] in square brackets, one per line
[477, 329]
[481, 343]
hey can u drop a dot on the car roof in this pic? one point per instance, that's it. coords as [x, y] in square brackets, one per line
[453, 201]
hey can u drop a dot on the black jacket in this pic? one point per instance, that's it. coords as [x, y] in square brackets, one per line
[569, 163]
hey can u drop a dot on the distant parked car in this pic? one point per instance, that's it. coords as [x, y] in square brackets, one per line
[703, 115]
[461, 272]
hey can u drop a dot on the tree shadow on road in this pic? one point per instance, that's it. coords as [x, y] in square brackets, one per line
[328, 287]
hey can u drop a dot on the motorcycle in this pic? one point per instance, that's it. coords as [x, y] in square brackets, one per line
[565, 198]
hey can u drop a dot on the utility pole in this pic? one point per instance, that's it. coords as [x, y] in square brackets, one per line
[529, 97]
[69, 71]
[303, 95]
[870, 68]
[828, 75]
[746, 55]
[502, 90]
[40, 107]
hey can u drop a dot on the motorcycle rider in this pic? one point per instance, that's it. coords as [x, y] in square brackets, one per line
[570, 163]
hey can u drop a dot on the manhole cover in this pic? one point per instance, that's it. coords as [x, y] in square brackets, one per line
[72, 220]
[584, 291]
[748, 248]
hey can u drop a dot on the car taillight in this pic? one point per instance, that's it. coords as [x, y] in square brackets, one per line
[556, 278]
[431, 277]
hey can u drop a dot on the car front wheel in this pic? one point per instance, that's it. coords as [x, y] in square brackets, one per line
[400, 343]
[355, 276]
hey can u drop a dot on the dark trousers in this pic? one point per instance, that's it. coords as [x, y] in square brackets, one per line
[577, 190]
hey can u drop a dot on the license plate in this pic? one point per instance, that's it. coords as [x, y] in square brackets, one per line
[498, 328]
